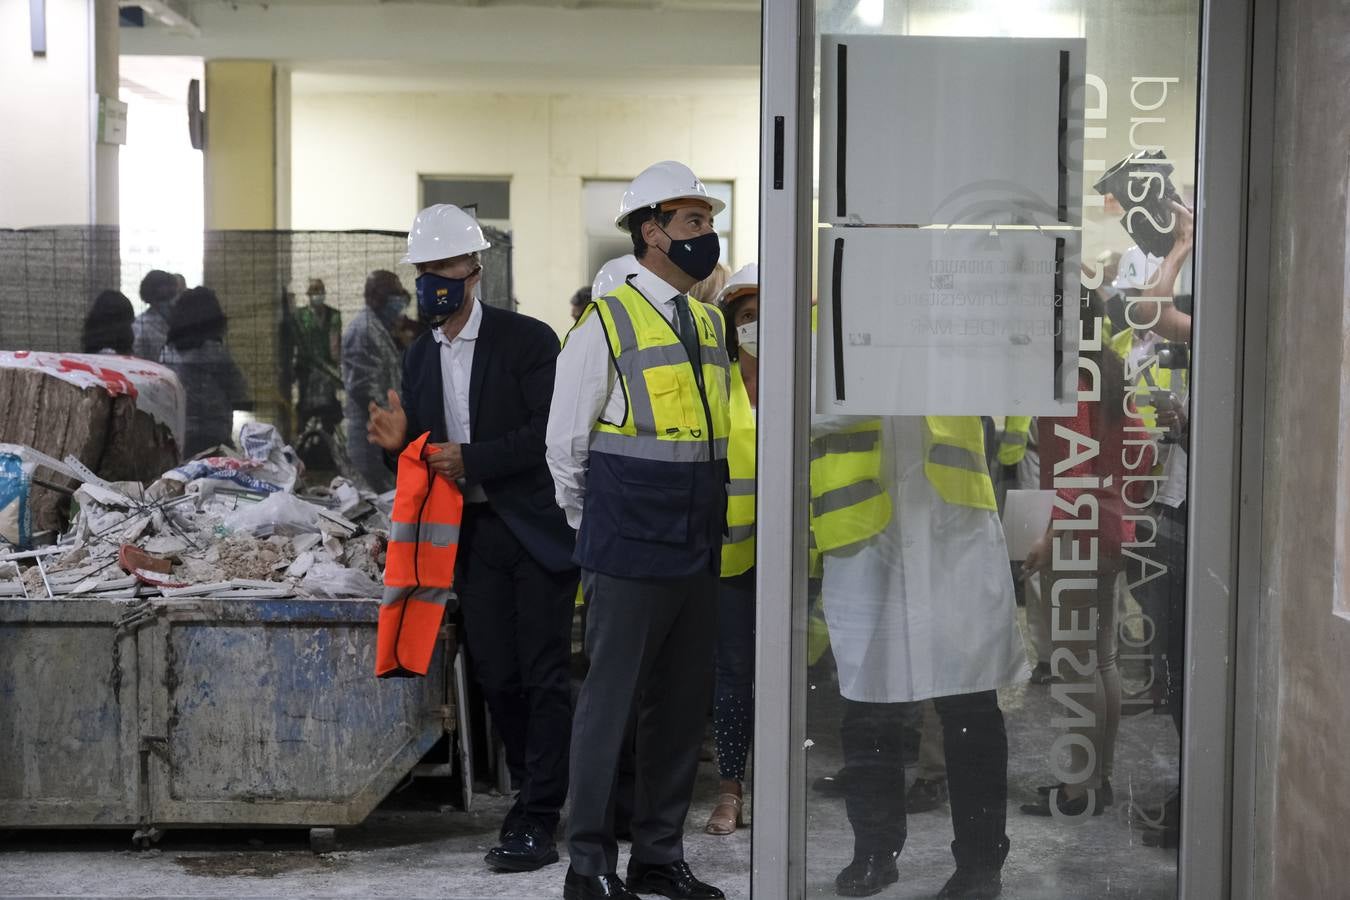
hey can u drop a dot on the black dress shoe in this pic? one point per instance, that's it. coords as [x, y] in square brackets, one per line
[670, 880]
[595, 887]
[525, 848]
[1105, 796]
[1067, 806]
[925, 795]
[867, 875]
[972, 884]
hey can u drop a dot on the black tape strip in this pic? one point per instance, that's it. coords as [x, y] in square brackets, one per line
[1058, 322]
[837, 311]
[1063, 136]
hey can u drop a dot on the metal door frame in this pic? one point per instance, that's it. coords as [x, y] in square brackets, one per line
[1232, 228]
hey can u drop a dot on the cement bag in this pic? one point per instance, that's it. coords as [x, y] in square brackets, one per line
[15, 517]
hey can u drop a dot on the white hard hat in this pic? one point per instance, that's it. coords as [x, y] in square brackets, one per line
[659, 183]
[443, 231]
[745, 281]
[612, 274]
[1137, 271]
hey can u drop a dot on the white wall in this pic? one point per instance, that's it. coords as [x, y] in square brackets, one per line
[356, 159]
[46, 103]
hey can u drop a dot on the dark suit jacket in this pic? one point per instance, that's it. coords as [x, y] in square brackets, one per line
[510, 390]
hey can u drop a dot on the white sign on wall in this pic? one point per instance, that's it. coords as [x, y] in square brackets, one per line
[112, 121]
[950, 188]
[928, 322]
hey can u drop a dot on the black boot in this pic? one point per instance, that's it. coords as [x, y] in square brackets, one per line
[868, 874]
[973, 884]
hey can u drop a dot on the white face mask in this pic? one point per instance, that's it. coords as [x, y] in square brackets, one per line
[747, 336]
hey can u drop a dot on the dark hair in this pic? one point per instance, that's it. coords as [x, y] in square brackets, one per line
[158, 287]
[108, 324]
[635, 221]
[581, 297]
[378, 285]
[196, 318]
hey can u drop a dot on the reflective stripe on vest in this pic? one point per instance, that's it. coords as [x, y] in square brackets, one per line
[419, 567]
[848, 502]
[1012, 446]
[670, 415]
[738, 547]
[954, 461]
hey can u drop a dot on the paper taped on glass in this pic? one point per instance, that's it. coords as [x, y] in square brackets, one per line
[949, 244]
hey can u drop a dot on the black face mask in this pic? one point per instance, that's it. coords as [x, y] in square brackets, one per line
[438, 297]
[695, 257]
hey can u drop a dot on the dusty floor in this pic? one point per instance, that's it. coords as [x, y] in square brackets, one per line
[419, 844]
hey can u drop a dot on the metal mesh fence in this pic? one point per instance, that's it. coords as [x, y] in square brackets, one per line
[50, 276]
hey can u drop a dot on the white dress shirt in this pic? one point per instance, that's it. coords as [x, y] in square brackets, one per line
[456, 370]
[586, 389]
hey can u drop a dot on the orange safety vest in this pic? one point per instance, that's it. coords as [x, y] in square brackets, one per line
[419, 565]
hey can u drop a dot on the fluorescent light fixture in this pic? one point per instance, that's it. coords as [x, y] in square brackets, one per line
[871, 12]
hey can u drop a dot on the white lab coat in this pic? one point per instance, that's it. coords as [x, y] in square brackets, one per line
[924, 609]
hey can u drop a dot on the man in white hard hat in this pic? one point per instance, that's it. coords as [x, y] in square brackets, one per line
[637, 443]
[480, 382]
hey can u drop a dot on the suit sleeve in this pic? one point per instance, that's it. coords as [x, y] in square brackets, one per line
[523, 448]
[408, 397]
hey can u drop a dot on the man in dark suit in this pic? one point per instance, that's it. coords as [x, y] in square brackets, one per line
[481, 382]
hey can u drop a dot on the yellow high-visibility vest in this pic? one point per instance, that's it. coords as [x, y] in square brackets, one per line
[738, 548]
[673, 413]
[1012, 446]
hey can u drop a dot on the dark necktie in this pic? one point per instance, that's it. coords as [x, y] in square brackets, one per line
[684, 326]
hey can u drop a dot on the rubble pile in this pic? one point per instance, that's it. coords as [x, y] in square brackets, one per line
[231, 525]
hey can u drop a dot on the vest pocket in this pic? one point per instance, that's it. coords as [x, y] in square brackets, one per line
[655, 502]
[670, 405]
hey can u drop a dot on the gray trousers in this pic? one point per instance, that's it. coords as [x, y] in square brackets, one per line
[651, 644]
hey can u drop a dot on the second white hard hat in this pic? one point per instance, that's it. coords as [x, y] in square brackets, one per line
[662, 182]
[612, 274]
[443, 231]
[745, 281]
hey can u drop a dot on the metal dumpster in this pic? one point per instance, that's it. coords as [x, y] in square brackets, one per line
[204, 712]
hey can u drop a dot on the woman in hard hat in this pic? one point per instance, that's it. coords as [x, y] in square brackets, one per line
[733, 704]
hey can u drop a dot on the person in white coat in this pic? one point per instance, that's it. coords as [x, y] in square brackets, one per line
[923, 610]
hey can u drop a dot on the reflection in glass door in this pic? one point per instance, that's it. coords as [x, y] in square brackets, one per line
[998, 441]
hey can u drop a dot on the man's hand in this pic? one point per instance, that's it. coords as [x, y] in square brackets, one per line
[1185, 230]
[388, 427]
[446, 459]
[1038, 557]
[1171, 417]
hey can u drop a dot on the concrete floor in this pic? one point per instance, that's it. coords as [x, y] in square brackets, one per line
[1104, 857]
[419, 844]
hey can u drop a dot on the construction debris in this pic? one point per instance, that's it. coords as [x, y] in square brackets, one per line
[230, 525]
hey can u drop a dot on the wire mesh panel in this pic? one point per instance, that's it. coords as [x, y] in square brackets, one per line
[49, 277]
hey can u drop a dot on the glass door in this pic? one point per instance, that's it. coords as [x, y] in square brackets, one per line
[977, 324]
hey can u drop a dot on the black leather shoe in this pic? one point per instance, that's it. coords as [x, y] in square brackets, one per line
[525, 848]
[867, 875]
[1067, 807]
[671, 880]
[595, 887]
[925, 795]
[1105, 796]
[973, 884]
